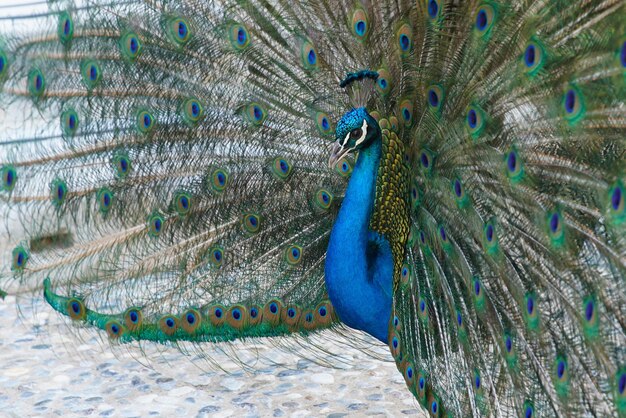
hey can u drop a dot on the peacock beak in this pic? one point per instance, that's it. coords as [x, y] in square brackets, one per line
[337, 153]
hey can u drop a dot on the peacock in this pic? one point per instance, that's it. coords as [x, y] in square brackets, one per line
[446, 176]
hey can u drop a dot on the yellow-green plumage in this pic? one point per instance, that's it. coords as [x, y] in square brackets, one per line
[391, 208]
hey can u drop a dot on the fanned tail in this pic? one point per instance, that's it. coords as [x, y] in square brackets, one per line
[512, 296]
[164, 171]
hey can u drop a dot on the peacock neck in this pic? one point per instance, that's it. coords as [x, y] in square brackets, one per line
[358, 203]
[355, 259]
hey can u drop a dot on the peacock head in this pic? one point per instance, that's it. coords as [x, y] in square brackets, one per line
[356, 130]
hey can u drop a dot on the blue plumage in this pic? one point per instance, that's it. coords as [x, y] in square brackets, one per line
[359, 263]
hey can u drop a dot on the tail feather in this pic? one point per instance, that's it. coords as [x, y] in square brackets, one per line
[160, 159]
[517, 149]
[213, 323]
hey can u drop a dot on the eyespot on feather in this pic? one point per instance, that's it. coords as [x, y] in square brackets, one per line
[145, 121]
[91, 73]
[322, 122]
[409, 374]
[192, 111]
[69, 122]
[217, 314]
[422, 309]
[590, 317]
[255, 314]
[190, 321]
[433, 9]
[531, 311]
[290, 315]
[65, 28]
[238, 36]
[114, 329]
[75, 309]
[533, 58]
[215, 256]
[404, 39]
[475, 121]
[281, 168]
[218, 180]
[130, 46]
[9, 178]
[416, 194]
[485, 18]
[155, 224]
[36, 83]
[182, 203]
[406, 111]
[308, 320]
[58, 192]
[477, 383]
[324, 313]
[427, 161]
[434, 406]
[421, 387]
[383, 83]
[255, 113]
[560, 375]
[395, 344]
[344, 167]
[573, 105]
[293, 255]
[443, 235]
[104, 197]
[323, 199]
[121, 164]
[178, 30]
[237, 316]
[272, 312]
[514, 166]
[397, 325]
[478, 294]
[168, 325]
[133, 319]
[458, 191]
[19, 257]
[460, 326]
[490, 237]
[555, 228]
[435, 96]
[309, 55]
[360, 24]
[405, 274]
[251, 222]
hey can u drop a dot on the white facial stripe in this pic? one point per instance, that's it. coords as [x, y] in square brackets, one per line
[364, 133]
[345, 140]
[361, 139]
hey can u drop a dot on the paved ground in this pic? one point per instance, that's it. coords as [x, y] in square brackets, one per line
[46, 372]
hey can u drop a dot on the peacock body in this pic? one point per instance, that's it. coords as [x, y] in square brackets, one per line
[168, 180]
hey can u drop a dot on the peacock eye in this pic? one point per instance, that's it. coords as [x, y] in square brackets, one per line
[356, 133]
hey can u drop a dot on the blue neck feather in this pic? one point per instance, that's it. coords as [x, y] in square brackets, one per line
[359, 263]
